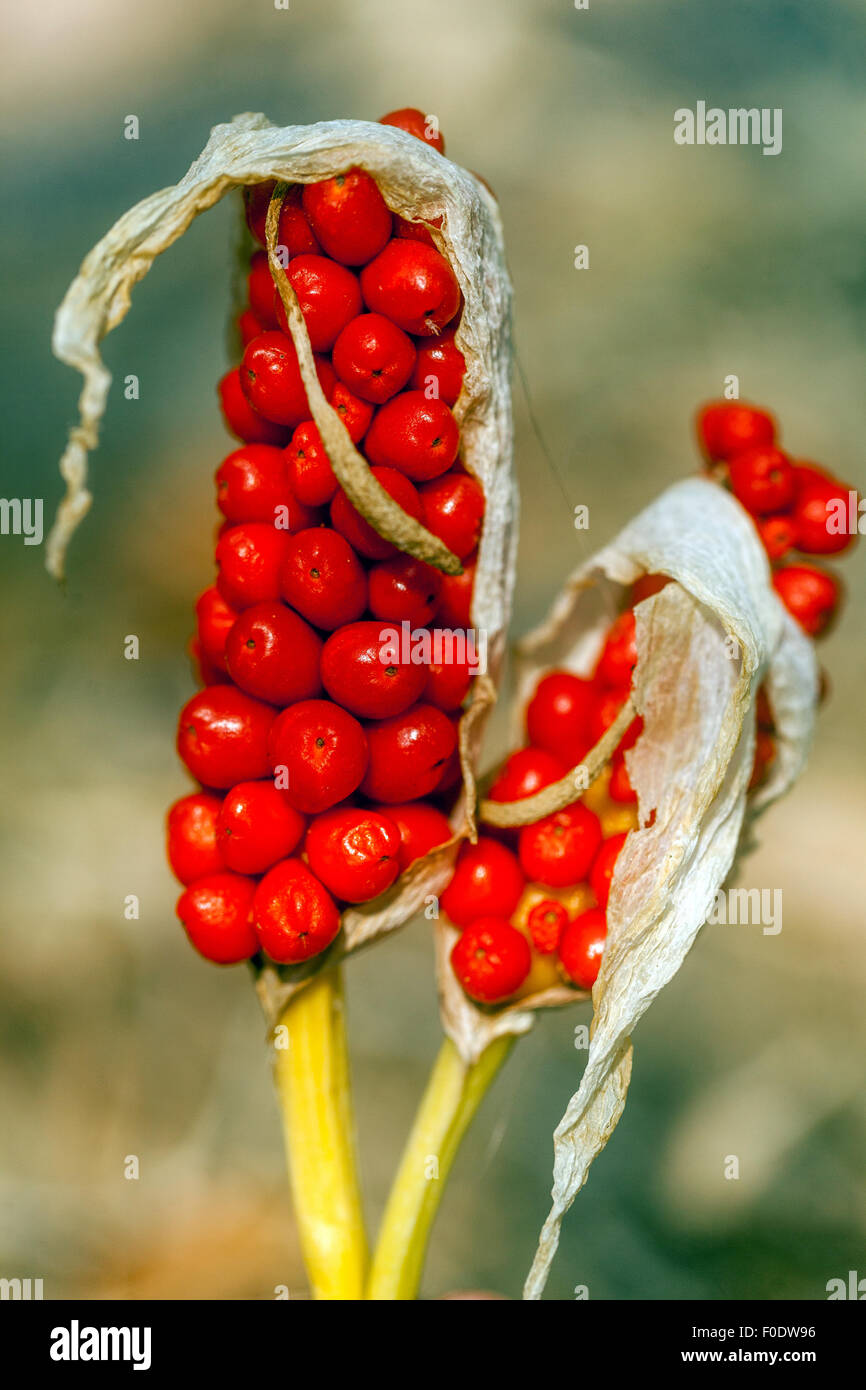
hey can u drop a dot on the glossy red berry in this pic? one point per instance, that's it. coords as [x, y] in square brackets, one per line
[323, 578]
[359, 673]
[359, 533]
[448, 684]
[355, 413]
[560, 714]
[260, 290]
[215, 621]
[619, 654]
[454, 511]
[256, 827]
[421, 829]
[491, 960]
[487, 881]
[609, 702]
[413, 285]
[192, 837]
[294, 915]
[356, 853]
[726, 427]
[546, 922]
[408, 754]
[820, 517]
[526, 772]
[250, 558]
[439, 368]
[273, 654]
[454, 609]
[294, 233]
[811, 595]
[241, 419]
[619, 787]
[309, 469]
[249, 326]
[603, 865]
[559, 849]
[413, 231]
[414, 122]
[253, 482]
[582, 945]
[762, 480]
[222, 736]
[778, 533]
[271, 379]
[318, 753]
[404, 590]
[329, 297]
[373, 357]
[348, 215]
[216, 912]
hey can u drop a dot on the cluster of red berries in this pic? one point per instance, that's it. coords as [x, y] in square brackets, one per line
[315, 753]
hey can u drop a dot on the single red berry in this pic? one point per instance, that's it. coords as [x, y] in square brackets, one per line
[323, 578]
[421, 829]
[249, 326]
[559, 717]
[765, 753]
[454, 511]
[318, 753]
[222, 736]
[487, 881]
[646, 586]
[252, 483]
[547, 920]
[619, 654]
[373, 357]
[294, 234]
[256, 827]
[413, 231]
[215, 621]
[348, 215]
[273, 654]
[582, 945]
[439, 368]
[448, 684]
[414, 122]
[726, 427]
[309, 468]
[820, 517]
[216, 912]
[359, 533]
[271, 379]
[250, 559]
[762, 480]
[260, 290]
[192, 837]
[810, 594]
[354, 413]
[603, 865]
[359, 672]
[491, 960]
[355, 853]
[454, 609]
[778, 533]
[609, 702]
[294, 915]
[413, 285]
[619, 787]
[404, 590]
[241, 419]
[205, 671]
[526, 772]
[407, 754]
[329, 297]
[808, 473]
[559, 849]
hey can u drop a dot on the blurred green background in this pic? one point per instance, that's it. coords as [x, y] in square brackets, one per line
[117, 1040]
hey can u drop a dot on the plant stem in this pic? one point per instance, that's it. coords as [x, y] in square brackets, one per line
[453, 1094]
[312, 1080]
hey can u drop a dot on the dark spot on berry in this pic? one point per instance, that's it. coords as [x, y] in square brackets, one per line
[314, 574]
[390, 670]
[320, 743]
[250, 642]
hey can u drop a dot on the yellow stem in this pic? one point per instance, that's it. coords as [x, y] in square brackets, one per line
[453, 1094]
[311, 1073]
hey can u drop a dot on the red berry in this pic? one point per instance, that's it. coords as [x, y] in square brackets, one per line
[355, 853]
[407, 754]
[249, 559]
[413, 231]
[454, 609]
[452, 770]
[205, 671]
[252, 482]
[348, 215]
[192, 837]
[413, 285]
[216, 619]
[778, 533]
[487, 881]
[762, 480]
[217, 914]
[222, 736]
[603, 866]
[559, 849]
[294, 915]
[256, 827]
[810, 595]
[619, 654]
[320, 752]
[414, 122]
[329, 297]
[294, 233]
[581, 947]
[359, 533]
[439, 368]
[646, 586]
[260, 290]
[619, 787]
[726, 427]
[358, 672]
[271, 379]
[526, 772]
[820, 505]
[448, 684]
[309, 468]
[546, 922]
[560, 714]
[421, 829]
[323, 578]
[454, 511]
[491, 960]
[273, 654]
[404, 590]
[373, 357]
[249, 326]
[241, 419]
[609, 702]
[354, 413]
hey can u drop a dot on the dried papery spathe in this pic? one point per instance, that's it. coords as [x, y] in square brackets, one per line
[419, 184]
[705, 644]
